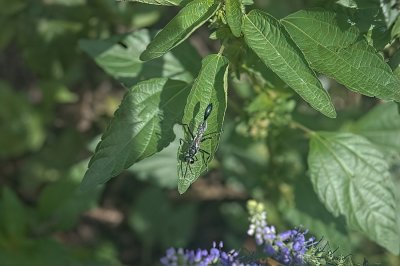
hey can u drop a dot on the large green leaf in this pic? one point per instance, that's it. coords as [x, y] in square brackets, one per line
[119, 57]
[334, 47]
[142, 126]
[209, 87]
[267, 38]
[158, 2]
[191, 17]
[381, 126]
[351, 177]
[233, 10]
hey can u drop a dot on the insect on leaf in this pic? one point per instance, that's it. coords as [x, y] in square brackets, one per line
[209, 87]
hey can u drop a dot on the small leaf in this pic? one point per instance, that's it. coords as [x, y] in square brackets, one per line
[267, 38]
[142, 126]
[381, 126]
[191, 17]
[209, 87]
[156, 2]
[233, 10]
[342, 54]
[119, 57]
[351, 177]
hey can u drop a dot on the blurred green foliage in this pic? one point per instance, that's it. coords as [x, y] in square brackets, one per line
[55, 102]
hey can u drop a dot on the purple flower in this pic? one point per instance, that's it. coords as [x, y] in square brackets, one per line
[288, 247]
[214, 256]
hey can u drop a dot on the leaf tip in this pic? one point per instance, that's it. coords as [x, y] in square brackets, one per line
[144, 56]
[331, 114]
[183, 186]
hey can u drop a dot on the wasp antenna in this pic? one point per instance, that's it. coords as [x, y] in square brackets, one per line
[208, 110]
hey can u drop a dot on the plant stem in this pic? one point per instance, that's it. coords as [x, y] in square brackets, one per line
[297, 125]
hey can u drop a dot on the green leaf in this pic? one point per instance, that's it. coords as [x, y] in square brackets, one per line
[351, 177]
[191, 17]
[119, 57]
[14, 216]
[267, 38]
[342, 54]
[142, 126]
[381, 126]
[233, 11]
[209, 87]
[157, 2]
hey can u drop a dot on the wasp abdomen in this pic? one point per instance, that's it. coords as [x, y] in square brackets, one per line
[208, 110]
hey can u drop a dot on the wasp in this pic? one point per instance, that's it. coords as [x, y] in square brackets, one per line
[190, 156]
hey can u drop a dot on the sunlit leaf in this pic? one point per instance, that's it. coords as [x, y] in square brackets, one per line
[142, 126]
[389, 10]
[342, 54]
[119, 57]
[352, 178]
[209, 87]
[267, 38]
[233, 10]
[191, 17]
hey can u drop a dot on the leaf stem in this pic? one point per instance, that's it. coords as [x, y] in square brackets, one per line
[221, 50]
[297, 125]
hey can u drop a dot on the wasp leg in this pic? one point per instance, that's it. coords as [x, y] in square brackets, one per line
[205, 161]
[209, 136]
[187, 165]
